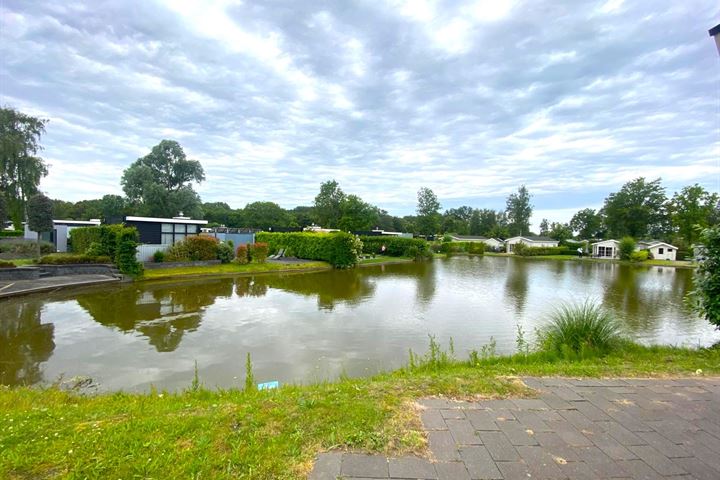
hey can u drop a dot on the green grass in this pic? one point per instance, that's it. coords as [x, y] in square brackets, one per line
[230, 269]
[221, 434]
[385, 259]
[661, 263]
[19, 262]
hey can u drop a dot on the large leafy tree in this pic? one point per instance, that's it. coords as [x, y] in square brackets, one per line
[113, 207]
[328, 204]
[544, 227]
[4, 214]
[20, 166]
[266, 215]
[160, 183]
[587, 223]
[302, 216]
[706, 296]
[638, 210]
[357, 214]
[428, 212]
[217, 213]
[40, 216]
[519, 210]
[560, 231]
[692, 209]
[457, 220]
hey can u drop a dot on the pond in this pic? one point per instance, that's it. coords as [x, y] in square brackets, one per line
[306, 327]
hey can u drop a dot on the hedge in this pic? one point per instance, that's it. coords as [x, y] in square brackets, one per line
[525, 251]
[64, 259]
[394, 246]
[117, 242]
[4, 264]
[476, 248]
[21, 247]
[194, 248]
[258, 252]
[339, 249]
[10, 233]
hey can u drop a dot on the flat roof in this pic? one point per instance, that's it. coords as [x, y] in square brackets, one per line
[166, 220]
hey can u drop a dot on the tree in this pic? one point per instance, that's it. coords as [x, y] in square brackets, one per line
[428, 212]
[519, 210]
[705, 298]
[457, 220]
[20, 167]
[302, 216]
[356, 214]
[40, 216]
[266, 215]
[560, 232]
[328, 204]
[544, 227]
[691, 210]
[3, 211]
[626, 248]
[639, 209]
[475, 224]
[587, 223]
[160, 182]
[217, 213]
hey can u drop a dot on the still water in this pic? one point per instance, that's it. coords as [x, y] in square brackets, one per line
[311, 326]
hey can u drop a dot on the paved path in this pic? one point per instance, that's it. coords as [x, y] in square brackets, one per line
[22, 287]
[575, 429]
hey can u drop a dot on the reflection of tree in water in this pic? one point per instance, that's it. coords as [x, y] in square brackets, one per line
[248, 287]
[24, 342]
[426, 277]
[631, 297]
[162, 313]
[516, 283]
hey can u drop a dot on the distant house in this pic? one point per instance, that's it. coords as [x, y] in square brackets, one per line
[60, 233]
[606, 249]
[530, 241]
[492, 243]
[164, 231]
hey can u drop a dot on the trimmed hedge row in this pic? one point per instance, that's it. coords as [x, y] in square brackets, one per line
[11, 233]
[476, 248]
[117, 242]
[4, 264]
[394, 246]
[64, 259]
[23, 247]
[525, 251]
[339, 249]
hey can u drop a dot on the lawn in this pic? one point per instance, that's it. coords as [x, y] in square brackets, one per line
[661, 263]
[231, 268]
[200, 433]
[385, 259]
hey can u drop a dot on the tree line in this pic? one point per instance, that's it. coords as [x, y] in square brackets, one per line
[160, 184]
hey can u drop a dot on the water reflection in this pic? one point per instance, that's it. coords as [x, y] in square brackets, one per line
[161, 313]
[25, 342]
[516, 283]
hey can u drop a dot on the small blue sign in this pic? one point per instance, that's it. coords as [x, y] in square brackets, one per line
[268, 385]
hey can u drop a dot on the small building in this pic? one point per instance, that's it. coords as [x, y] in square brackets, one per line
[659, 250]
[606, 249]
[238, 236]
[530, 241]
[493, 243]
[164, 231]
[60, 233]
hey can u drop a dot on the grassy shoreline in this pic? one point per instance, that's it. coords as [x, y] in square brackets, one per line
[646, 263]
[199, 433]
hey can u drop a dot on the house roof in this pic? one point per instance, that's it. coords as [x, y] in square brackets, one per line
[655, 244]
[469, 237]
[605, 241]
[534, 238]
[166, 220]
[77, 222]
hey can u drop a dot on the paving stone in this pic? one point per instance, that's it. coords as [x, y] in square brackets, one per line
[663, 445]
[412, 467]
[448, 413]
[578, 471]
[433, 420]
[577, 419]
[531, 420]
[514, 470]
[499, 446]
[463, 432]
[591, 412]
[482, 420]
[452, 471]
[600, 463]
[657, 460]
[359, 465]
[327, 466]
[557, 403]
[530, 404]
[571, 435]
[621, 434]
[479, 463]
[442, 445]
[517, 434]
[567, 394]
[639, 470]
[697, 468]
[435, 403]
[540, 463]
[629, 422]
[611, 447]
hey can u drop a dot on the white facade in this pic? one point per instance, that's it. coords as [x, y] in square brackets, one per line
[606, 249]
[61, 232]
[534, 242]
[661, 250]
[493, 243]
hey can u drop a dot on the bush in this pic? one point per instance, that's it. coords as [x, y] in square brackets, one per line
[82, 238]
[194, 248]
[339, 249]
[640, 256]
[258, 252]
[22, 247]
[525, 251]
[394, 246]
[159, 256]
[626, 248]
[580, 330]
[10, 233]
[126, 251]
[99, 240]
[225, 252]
[705, 298]
[4, 264]
[241, 255]
[72, 259]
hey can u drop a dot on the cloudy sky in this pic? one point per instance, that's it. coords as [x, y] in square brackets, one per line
[469, 98]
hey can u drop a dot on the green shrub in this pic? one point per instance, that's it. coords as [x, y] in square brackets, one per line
[580, 330]
[72, 259]
[705, 298]
[225, 252]
[241, 255]
[99, 240]
[475, 248]
[159, 256]
[95, 249]
[82, 238]
[626, 248]
[640, 256]
[258, 252]
[21, 247]
[525, 251]
[394, 246]
[10, 233]
[194, 248]
[339, 249]
[126, 254]
[4, 264]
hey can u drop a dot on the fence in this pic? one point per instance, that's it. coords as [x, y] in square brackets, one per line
[146, 251]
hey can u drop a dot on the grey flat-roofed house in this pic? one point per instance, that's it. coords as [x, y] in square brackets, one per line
[164, 231]
[61, 232]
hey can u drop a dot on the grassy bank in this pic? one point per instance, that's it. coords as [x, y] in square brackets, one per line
[381, 259]
[658, 263]
[200, 433]
[231, 268]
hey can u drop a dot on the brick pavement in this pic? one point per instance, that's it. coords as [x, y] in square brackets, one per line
[574, 429]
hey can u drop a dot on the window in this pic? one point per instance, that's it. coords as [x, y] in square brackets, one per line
[669, 250]
[179, 228]
[167, 228]
[179, 237]
[661, 250]
[167, 239]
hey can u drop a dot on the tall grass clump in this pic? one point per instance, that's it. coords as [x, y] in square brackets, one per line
[580, 331]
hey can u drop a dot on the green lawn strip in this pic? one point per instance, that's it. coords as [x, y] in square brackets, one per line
[384, 259]
[19, 262]
[658, 263]
[274, 434]
[231, 269]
